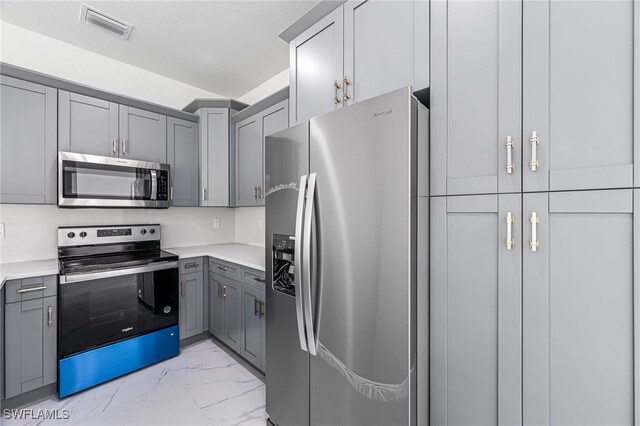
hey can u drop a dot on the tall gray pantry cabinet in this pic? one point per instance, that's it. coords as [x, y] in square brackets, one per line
[535, 260]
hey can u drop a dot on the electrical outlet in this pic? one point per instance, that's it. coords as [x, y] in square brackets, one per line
[1, 230]
[216, 223]
[260, 224]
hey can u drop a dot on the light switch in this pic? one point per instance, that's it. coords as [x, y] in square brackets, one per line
[216, 223]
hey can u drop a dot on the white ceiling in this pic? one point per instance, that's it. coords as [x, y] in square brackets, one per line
[226, 47]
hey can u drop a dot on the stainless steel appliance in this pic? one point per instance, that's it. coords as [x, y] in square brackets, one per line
[94, 181]
[347, 252]
[118, 303]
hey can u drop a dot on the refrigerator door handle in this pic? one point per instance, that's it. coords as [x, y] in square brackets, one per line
[297, 276]
[306, 264]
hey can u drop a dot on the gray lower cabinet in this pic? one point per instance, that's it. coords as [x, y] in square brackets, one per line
[253, 325]
[581, 307]
[225, 319]
[87, 125]
[28, 148]
[581, 94]
[191, 304]
[476, 100]
[217, 314]
[475, 321]
[30, 345]
[250, 137]
[183, 157]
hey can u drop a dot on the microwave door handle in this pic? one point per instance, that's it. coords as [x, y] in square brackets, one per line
[297, 273]
[154, 185]
[306, 264]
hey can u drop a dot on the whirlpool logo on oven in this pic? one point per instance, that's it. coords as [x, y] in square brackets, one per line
[126, 330]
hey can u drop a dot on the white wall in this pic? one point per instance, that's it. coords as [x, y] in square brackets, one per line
[31, 231]
[248, 228]
[270, 86]
[37, 52]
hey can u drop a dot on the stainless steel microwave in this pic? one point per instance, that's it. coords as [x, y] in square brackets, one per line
[95, 181]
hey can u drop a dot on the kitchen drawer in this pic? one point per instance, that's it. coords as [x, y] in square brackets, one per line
[188, 266]
[31, 288]
[252, 277]
[223, 268]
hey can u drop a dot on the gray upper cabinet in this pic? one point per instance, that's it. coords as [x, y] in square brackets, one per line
[87, 125]
[405, 32]
[580, 306]
[31, 345]
[143, 135]
[249, 162]
[183, 157]
[250, 137]
[216, 155]
[191, 304]
[336, 61]
[476, 99]
[28, 148]
[475, 317]
[580, 81]
[253, 312]
[316, 67]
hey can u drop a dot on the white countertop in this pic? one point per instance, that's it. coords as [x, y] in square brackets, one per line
[241, 254]
[32, 268]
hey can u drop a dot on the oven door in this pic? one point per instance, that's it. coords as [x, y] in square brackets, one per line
[94, 181]
[101, 308]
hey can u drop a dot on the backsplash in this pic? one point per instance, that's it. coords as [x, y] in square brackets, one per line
[31, 230]
[248, 229]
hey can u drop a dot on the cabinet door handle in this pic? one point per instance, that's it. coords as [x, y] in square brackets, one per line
[224, 290]
[259, 279]
[114, 145]
[534, 140]
[124, 147]
[511, 219]
[261, 311]
[259, 192]
[255, 192]
[223, 268]
[256, 311]
[182, 288]
[534, 243]
[50, 313]
[204, 194]
[30, 289]
[191, 265]
[346, 95]
[336, 87]
[511, 145]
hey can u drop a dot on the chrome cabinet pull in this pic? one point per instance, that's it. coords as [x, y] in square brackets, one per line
[255, 307]
[50, 312]
[259, 279]
[224, 290]
[223, 268]
[31, 289]
[204, 194]
[297, 276]
[346, 82]
[534, 243]
[511, 219]
[259, 192]
[182, 288]
[255, 192]
[511, 145]
[534, 140]
[336, 87]
[114, 145]
[191, 265]
[261, 308]
[124, 147]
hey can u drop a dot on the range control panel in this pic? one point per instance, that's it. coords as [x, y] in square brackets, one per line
[86, 235]
[284, 264]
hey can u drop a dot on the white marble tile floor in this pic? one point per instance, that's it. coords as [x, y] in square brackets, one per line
[204, 385]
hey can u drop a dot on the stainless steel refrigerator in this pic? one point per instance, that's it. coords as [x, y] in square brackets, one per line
[347, 266]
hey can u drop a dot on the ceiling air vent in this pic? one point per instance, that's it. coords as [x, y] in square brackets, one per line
[93, 16]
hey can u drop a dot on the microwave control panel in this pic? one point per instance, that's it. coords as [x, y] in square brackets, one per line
[163, 185]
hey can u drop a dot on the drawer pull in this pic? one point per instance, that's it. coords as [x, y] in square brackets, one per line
[259, 279]
[50, 312]
[223, 268]
[191, 265]
[30, 289]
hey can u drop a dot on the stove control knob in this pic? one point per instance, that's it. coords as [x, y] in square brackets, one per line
[152, 231]
[83, 234]
[71, 234]
[144, 231]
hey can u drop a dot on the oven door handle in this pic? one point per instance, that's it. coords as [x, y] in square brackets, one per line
[79, 277]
